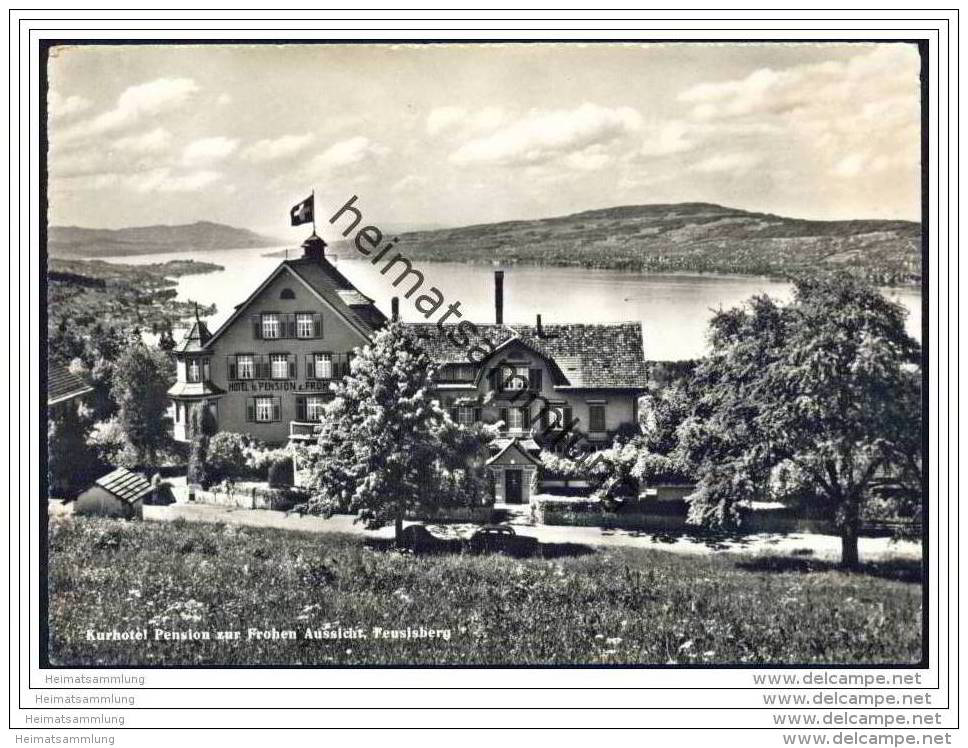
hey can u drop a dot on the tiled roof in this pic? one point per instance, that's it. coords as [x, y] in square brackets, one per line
[588, 355]
[124, 484]
[63, 385]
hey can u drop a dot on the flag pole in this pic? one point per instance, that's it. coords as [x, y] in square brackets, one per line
[313, 196]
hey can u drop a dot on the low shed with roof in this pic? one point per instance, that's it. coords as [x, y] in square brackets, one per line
[120, 493]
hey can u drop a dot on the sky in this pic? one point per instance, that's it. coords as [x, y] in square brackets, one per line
[456, 134]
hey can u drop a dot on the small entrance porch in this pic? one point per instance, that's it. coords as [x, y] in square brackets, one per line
[514, 473]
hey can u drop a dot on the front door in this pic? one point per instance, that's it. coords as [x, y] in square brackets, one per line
[512, 486]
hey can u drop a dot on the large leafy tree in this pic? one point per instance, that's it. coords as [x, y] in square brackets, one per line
[385, 447]
[142, 376]
[821, 388]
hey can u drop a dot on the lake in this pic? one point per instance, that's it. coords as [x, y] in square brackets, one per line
[674, 309]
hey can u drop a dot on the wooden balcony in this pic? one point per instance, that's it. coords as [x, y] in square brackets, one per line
[305, 432]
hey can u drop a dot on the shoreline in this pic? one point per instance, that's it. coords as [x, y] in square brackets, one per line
[705, 274]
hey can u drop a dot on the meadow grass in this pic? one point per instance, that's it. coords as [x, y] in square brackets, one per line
[571, 605]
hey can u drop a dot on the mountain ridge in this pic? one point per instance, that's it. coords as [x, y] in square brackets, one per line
[199, 236]
[681, 237]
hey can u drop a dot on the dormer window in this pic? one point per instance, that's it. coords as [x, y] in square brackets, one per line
[287, 293]
[515, 377]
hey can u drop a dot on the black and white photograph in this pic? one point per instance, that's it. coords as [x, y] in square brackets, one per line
[478, 354]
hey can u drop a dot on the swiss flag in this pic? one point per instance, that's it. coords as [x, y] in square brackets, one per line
[303, 212]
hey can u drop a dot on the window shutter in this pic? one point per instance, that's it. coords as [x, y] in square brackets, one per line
[230, 362]
[275, 409]
[504, 417]
[300, 409]
[566, 413]
[206, 371]
[525, 418]
[291, 325]
[250, 409]
[317, 325]
[543, 419]
[534, 376]
[266, 367]
[596, 418]
[453, 414]
[477, 415]
[292, 366]
[310, 372]
[257, 327]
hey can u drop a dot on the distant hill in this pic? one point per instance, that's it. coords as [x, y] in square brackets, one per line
[683, 237]
[73, 241]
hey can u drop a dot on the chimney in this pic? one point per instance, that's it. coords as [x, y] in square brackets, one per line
[538, 326]
[499, 297]
[395, 308]
[314, 248]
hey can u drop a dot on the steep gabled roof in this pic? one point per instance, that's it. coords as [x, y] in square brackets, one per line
[332, 285]
[63, 385]
[124, 484]
[326, 283]
[588, 355]
[519, 448]
[196, 338]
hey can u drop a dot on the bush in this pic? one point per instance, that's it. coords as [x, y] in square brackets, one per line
[281, 472]
[226, 456]
[198, 462]
[258, 458]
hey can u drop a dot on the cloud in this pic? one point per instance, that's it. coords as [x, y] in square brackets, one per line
[271, 149]
[206, 150]
[162, 180]
[455, 118]
[592, 158]
[347, 152]
[728, 162]
[544, 135]
[850, 119]
[889, 71]
[444, 117]
[59, 106]
[150, 142]
[136, 102]
[667, 139]
[409, 182]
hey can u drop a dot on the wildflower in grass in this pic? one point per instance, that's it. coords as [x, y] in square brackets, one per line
[613, 641]
[307, 611]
